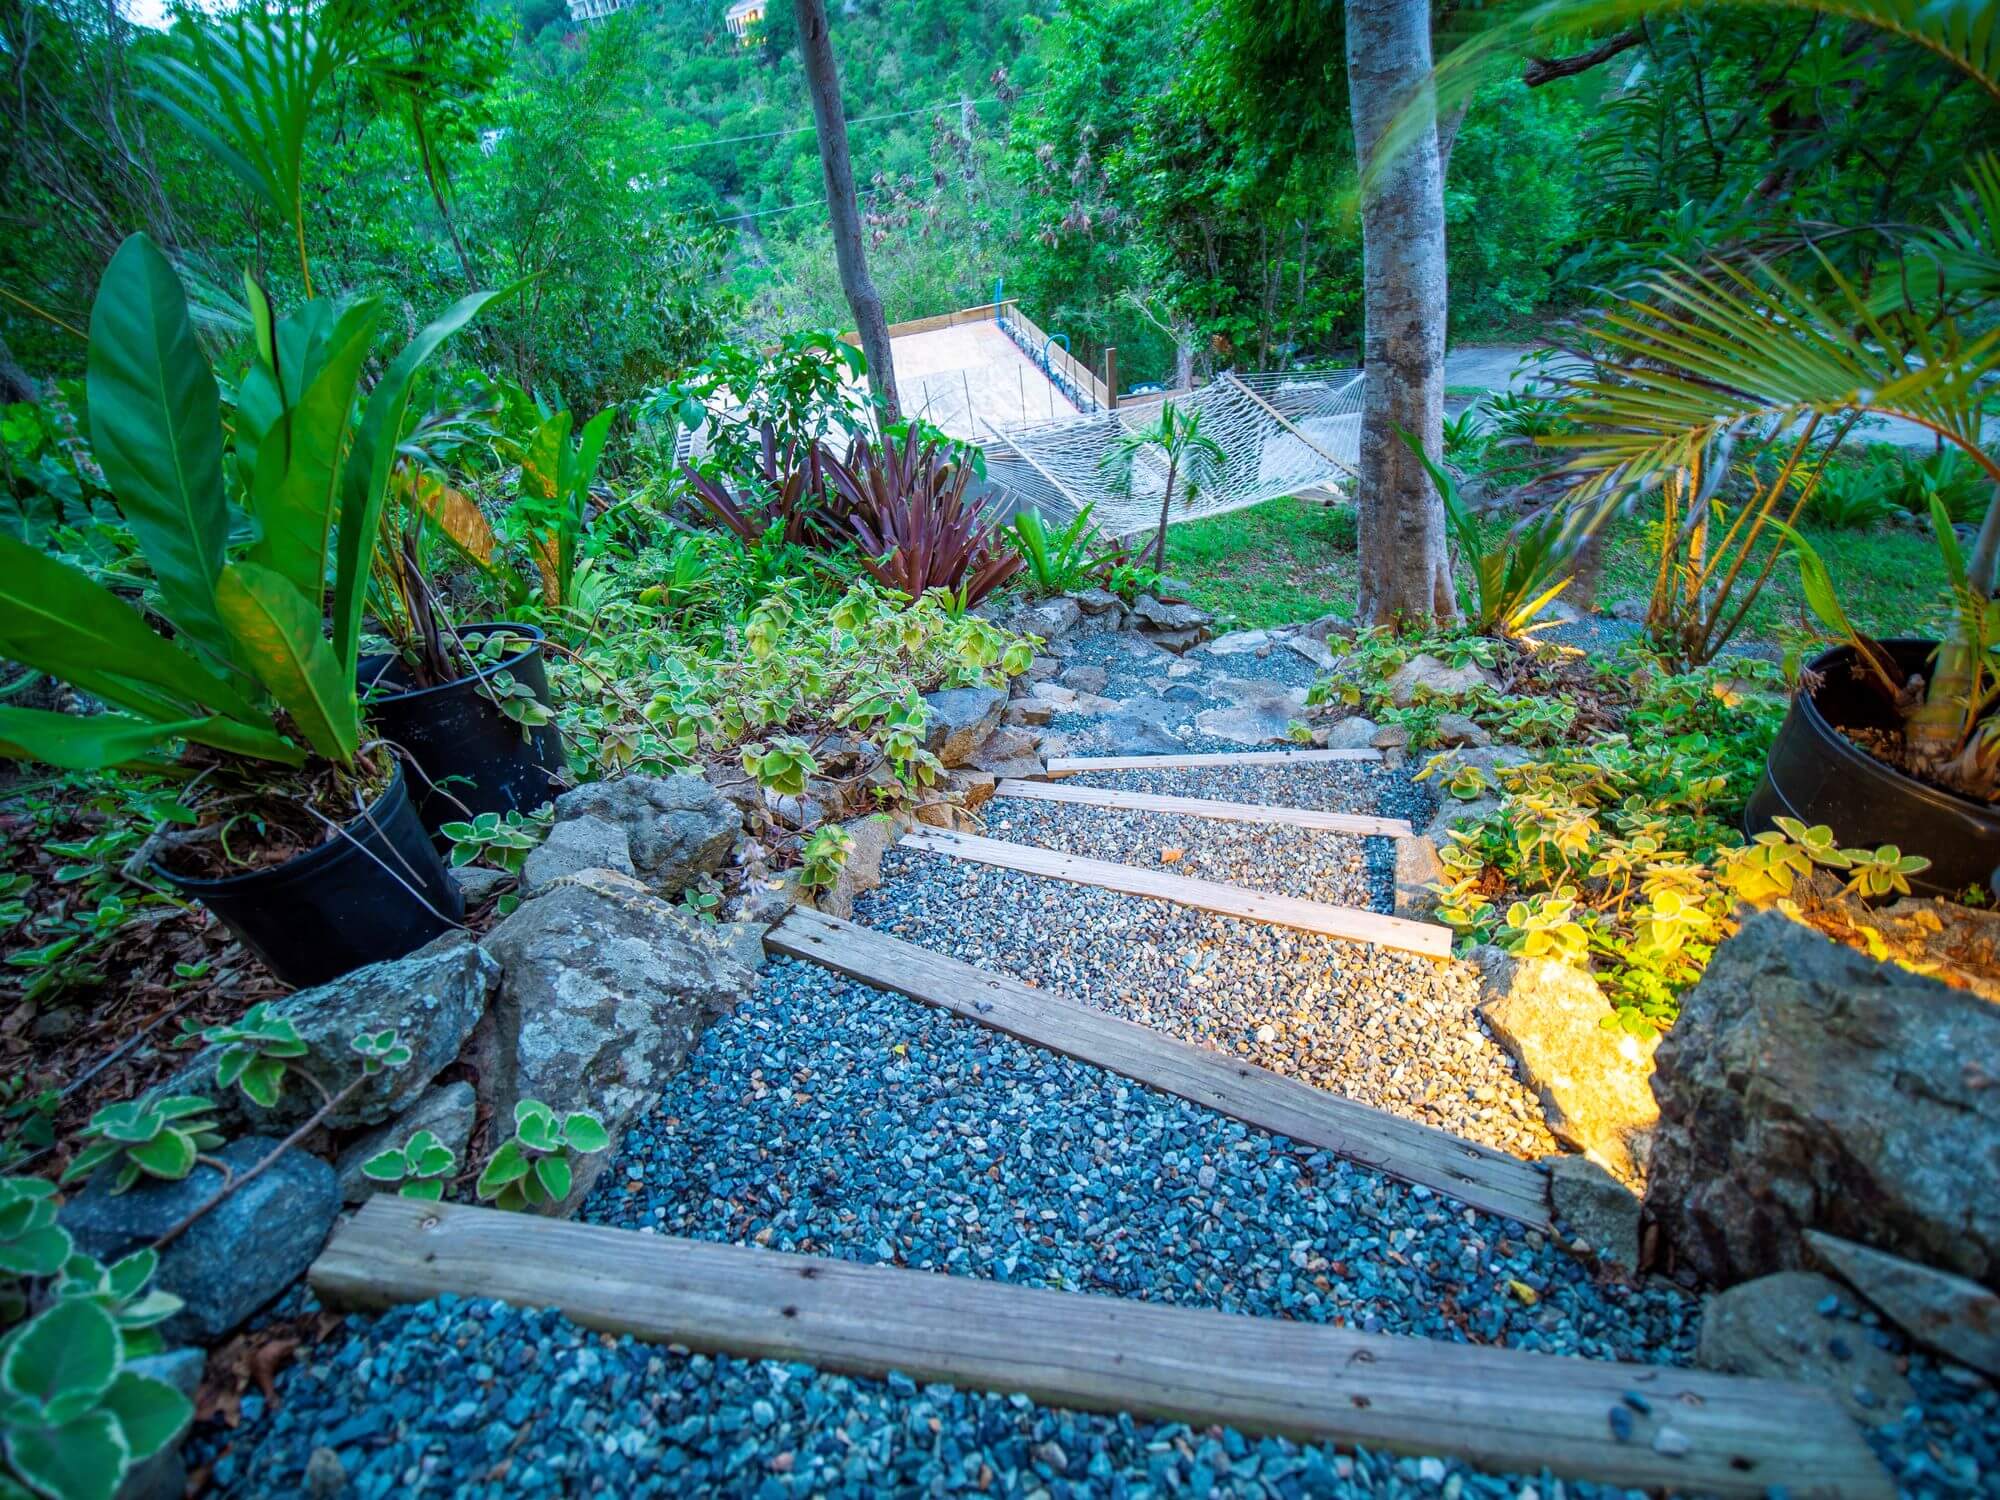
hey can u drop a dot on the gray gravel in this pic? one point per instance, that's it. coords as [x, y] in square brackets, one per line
[826, 1117]
[476, 1399]
[1393, 1030]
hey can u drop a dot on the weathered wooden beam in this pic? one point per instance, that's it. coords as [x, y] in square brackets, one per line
[1403, 1149]
[1498, 1409]
[1358, 824]
[1348, 922]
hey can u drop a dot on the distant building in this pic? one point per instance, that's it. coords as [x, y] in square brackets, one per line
[742, 18]
[595, 10]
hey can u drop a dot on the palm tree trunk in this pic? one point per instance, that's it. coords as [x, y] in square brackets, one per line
[1405, 570]
[823, 82]
[1166, 506]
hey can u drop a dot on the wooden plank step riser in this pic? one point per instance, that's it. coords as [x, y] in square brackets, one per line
[1076, 765]
[1472, 1174]
[1358, 824]
[1498, 1409]
[1426, 938]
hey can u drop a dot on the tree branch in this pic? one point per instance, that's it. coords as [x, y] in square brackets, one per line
[1541, 70]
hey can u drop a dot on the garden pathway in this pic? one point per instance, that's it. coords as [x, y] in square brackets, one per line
[968, 1137]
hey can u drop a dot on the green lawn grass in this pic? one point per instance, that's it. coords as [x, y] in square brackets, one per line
[1294, 559]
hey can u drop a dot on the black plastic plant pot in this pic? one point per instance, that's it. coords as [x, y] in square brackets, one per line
[1816, 774]
[475, 757]
[377, 891]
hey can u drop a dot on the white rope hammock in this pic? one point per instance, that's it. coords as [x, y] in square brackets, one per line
[1280, 433]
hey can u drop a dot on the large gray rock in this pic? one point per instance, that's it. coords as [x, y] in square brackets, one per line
[1006, 752]
[1425, 675]
[447, 1112]
[1806, 1086]
[1351, 733]
[235, 1258]
[1775, 1328]
[1156, 616]
[1051, 619]
[607, 988]
[431, 999]
[960, 720]
[1948, 1314]
[1596, 1208]
[1095, 601]
[679, 827]
[1592, 1082]
[1086, 679]
[584, 843]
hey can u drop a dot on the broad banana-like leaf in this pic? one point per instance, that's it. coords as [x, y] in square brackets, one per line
[455, 518]
[156, 428]
[589, 452]
[278, 635]
[296, 488]
[365, 478]
[56, 619]
[84, 742]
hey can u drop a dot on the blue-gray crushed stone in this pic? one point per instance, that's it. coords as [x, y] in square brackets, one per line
[826, 1117]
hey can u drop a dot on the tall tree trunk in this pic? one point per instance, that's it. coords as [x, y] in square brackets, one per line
[1405, 571]
[823, 81]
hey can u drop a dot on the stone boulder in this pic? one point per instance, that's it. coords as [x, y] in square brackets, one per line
[1156, 616]
[1806, 1086]
[606, 988]
[1312, 650]
[1791, 1327]
[1086, 679]
[1240, 643]
[1096, 601]
[583, 843]
[1051, 619]
[1351, 733]
[1325, 628]
[1006, 752]
[1596, 1210]
[431, 999]
[447, 1111]
[679, 828]
[1426, 675]
[1592, 1082]
[1947, 1314]
[960, 720]
[235, 1258]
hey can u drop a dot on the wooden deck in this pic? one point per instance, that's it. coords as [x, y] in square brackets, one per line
[1472, 1174]
[1496, 1408]
[1205, 807]
[1208, 895]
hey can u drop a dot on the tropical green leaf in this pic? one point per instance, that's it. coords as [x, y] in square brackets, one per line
[156, 428]
[56, 619]
[585, 1133]
[553, 1173]
[85, 742]
[69, 1350]
[83, 1459]
[295, 490]
[278, 637]
[365, 478]
[150, 1412]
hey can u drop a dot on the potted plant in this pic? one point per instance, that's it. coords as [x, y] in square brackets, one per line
[1706, 373]
[1898, 741]
[469, 705]
[257, 532]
